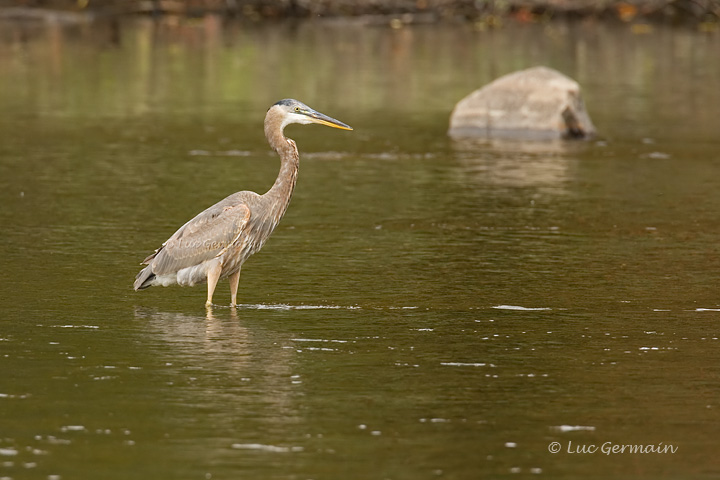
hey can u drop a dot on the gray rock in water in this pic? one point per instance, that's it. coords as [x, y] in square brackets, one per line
[537, 103]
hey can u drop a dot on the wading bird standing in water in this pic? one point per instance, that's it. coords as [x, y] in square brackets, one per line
[216, 243]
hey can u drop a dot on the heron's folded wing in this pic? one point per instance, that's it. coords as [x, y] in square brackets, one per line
[202, 238]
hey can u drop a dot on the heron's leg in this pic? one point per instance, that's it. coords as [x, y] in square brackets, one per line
[213, 275]
[234, 282]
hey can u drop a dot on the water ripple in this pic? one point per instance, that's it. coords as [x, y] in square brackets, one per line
[517, 307]
[266, 448]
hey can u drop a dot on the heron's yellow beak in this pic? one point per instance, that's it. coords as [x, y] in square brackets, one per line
[323, 119]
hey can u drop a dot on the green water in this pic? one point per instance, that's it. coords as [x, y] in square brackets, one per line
[426, 309]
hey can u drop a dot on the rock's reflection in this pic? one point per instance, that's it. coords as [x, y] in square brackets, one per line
[532, 164]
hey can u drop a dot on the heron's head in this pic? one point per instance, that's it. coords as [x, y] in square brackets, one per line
[293, 111]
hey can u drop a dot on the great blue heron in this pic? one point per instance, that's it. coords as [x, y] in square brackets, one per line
[216, 243]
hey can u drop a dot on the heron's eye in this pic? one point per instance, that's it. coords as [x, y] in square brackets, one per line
[297, 109]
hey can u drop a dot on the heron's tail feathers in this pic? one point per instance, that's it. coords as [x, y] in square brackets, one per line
[144, 279]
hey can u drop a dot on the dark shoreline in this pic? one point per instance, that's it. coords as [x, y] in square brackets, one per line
[393, 12]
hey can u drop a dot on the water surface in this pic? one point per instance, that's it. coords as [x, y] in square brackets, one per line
[427, 308]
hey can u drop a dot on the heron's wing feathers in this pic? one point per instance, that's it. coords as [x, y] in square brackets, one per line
[204, 237]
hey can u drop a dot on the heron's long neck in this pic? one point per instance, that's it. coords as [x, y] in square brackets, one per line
[281, 192]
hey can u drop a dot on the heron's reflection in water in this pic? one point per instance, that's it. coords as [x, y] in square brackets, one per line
[215, 331]
[226, 361]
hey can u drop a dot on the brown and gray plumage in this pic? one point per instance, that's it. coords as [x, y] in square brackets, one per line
[216, 243]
